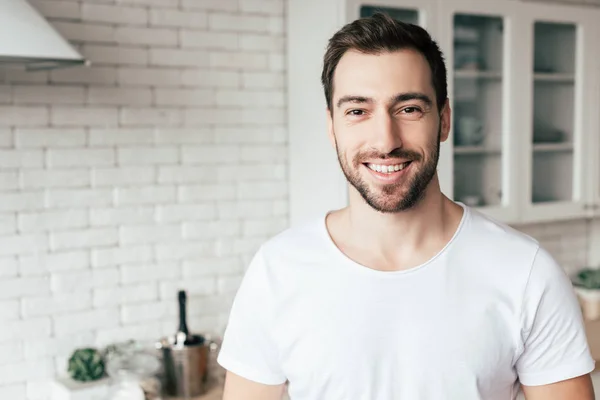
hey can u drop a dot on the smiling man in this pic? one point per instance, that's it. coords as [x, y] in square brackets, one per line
[404, 293]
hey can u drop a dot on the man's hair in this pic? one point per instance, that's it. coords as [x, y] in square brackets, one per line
[381, 33]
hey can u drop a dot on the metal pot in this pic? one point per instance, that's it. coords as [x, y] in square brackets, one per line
[185, 369]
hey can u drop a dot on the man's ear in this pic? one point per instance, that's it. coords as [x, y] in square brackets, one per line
[445, 121]
[330, 133]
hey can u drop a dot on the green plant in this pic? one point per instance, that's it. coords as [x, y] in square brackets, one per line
[86, 365]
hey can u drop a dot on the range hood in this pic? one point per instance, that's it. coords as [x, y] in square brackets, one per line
[28, 41]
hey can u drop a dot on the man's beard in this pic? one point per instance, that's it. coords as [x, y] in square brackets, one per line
[390, 200]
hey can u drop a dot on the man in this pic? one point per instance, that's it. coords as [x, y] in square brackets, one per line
[403, 294]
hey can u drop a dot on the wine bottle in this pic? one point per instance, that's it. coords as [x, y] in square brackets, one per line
[183, 333]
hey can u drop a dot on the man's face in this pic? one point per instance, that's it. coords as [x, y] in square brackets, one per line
[386, 126]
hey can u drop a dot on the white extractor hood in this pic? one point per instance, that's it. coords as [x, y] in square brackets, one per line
[28, 40]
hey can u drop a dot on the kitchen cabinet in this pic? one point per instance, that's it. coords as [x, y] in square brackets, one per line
[523, 80]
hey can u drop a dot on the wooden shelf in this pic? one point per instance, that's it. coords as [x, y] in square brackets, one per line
[475, 150]
[553, 77]
[477, 74]
[552, 147]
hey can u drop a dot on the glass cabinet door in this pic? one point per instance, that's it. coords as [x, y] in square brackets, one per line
[408, 15]
[553, 124]
[478, 129]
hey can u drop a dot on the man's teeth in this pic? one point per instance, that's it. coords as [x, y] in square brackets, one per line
[386, 169]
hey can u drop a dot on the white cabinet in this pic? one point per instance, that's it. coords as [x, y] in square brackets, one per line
[524, 85]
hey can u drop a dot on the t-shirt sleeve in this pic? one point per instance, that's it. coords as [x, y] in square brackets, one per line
[248, 348]
[555, 346]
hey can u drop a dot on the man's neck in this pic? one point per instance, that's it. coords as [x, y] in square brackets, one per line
[405, 238]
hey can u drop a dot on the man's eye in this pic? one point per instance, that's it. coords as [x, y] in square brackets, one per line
[356, 113]
[410, 110]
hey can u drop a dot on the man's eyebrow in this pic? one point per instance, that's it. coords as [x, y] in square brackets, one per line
[354, 99]
[402, 97]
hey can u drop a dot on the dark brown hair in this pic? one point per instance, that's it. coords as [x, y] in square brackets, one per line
[380, 33]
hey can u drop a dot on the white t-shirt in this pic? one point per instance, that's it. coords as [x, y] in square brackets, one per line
[490, 309]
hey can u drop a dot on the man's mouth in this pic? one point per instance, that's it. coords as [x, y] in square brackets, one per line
[388, 169]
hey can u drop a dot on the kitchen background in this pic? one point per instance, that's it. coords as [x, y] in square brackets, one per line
[161, 166]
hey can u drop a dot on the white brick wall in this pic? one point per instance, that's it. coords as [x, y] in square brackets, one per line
[160, 167]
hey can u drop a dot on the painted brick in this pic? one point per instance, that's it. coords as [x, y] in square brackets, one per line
[247, 98]
[136, 313]
[194, 287]
[28, 77]
[152, 3]
[262, 190]
[210, 154]
[276, 25]
[87, 238]
[91, 116]
[148, 155]
[9, 180]
[80, 198]
[184, 136]
[85, 321]
[48, 95]
[58, 9]
[277, 62]
[186, 174]
[207, 192]
[179, 58]
[147, 234]
[213, 5]
[206, 230]
[264, 227]
[184, 97]
[113, 256]
[145, 195]
[6, 137]
[269, 7]
[40, 264]
[21, 158]
[123, 176]
[112, 55]
[234, 116]
[89, 75]
[119, 96]
[77, 281]
[80, 157]
[146, 36]
[184, 250]
[24, 116]
[179, 19]
[275, 154]
[146, 331]
[121, 136]
[10, 310]
[21, 201]
[229, 284]
[114, 14]
[280, 208]
[22, 371]
[237, 23]
[251, 173]
[239, 60]
[252, 42]
[37, 348]
[121, 216]
[20, 287]
[50, 137]
[149, 77]
[215, 266]
[247, 135]
[51, 220]
[123, 295]
[33, 328]
[211, 78]
[8, 223]
[150, 117]
[54, 178]
[263, 80]
[58, 303]
[210, 40]
[149, 272]
[11, 353]
[185, 212]
[244, 209]
[79, 32]
[6, 94]
[8, 267]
